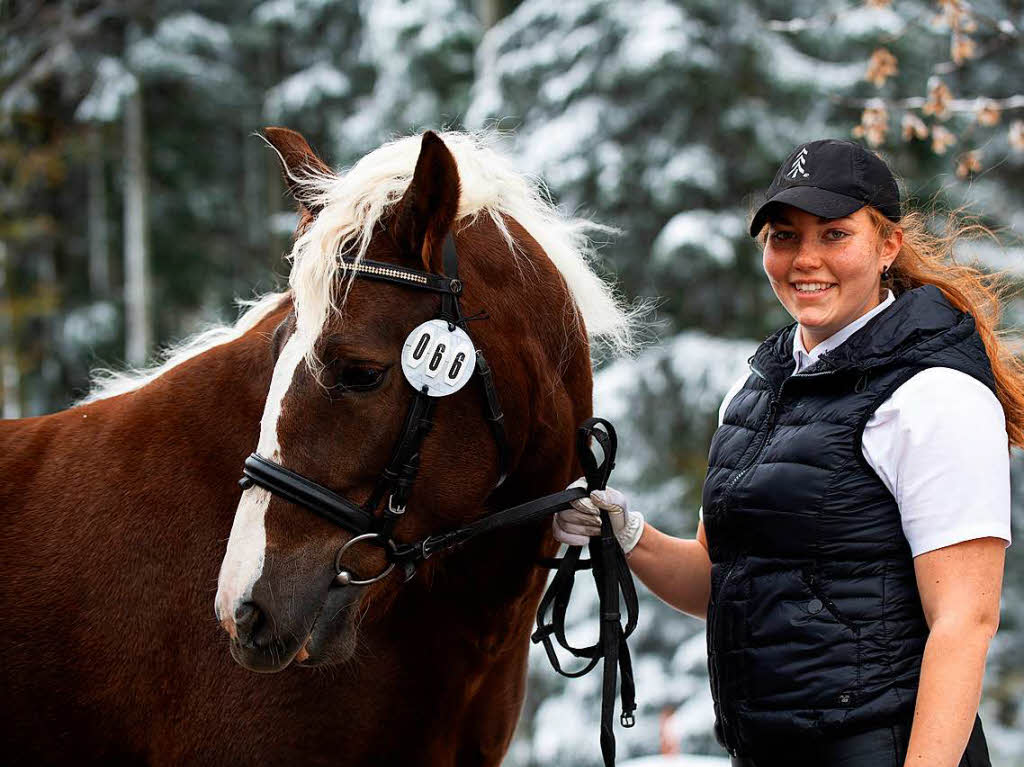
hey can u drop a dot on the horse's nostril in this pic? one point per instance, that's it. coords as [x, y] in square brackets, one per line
[247, 619]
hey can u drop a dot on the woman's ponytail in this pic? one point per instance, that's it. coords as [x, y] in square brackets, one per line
[929, 259]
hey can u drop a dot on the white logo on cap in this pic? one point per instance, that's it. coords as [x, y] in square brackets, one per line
[798, 165]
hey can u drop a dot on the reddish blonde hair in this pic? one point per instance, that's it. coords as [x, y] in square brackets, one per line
[927, 258]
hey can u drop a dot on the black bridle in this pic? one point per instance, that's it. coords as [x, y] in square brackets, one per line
[611, 574]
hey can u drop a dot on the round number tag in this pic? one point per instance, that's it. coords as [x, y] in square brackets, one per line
[438, 358]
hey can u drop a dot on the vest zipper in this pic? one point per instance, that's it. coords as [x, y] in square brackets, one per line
[716, 623]
[773, 412]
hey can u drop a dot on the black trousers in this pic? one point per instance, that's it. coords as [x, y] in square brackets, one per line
[882, 747]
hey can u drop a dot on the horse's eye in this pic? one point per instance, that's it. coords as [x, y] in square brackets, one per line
[358, 378]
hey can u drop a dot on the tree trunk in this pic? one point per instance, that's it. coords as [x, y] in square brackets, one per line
[10, 378]
[99, 234]
[489, 12]
[136, 247]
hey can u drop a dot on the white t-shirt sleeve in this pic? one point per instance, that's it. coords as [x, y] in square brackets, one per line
[939, 444]
[737, 385]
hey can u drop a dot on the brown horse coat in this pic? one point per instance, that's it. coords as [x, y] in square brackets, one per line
[115, 517]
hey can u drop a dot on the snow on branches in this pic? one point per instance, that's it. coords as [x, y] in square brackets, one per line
[966, 123]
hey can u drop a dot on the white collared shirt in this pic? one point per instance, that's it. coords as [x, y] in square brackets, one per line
[804, 358]
[938, 443]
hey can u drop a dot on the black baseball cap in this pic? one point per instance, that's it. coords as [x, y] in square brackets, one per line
[831, 178]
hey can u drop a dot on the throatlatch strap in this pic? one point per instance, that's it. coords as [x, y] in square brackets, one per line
[495, 416]
[451, 311]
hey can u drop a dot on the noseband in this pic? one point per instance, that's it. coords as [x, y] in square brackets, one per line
[611, 574]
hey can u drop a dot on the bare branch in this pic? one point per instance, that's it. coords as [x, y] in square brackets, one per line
[55, 47]
[953, 105]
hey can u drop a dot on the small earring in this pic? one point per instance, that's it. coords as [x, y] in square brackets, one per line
[885, 272]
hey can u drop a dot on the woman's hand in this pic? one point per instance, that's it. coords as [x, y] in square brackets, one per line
[577, 524]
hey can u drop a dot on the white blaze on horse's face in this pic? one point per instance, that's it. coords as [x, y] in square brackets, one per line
[243, 561]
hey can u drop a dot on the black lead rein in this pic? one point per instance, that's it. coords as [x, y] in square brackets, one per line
[611, 576]
[607, 561]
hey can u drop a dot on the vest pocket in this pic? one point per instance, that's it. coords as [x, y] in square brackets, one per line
[846, 655]
[803, 654]
[821, 600]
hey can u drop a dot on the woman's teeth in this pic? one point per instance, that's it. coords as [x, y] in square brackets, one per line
[812, 287]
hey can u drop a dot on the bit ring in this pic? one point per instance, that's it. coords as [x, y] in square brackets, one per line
[344, 577]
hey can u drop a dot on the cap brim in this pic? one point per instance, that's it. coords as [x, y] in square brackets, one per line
[811, 199]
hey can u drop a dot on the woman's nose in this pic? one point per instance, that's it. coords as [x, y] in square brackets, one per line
[807, 255]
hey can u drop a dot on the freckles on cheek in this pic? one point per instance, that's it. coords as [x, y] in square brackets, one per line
[775, 268]
[853, 264]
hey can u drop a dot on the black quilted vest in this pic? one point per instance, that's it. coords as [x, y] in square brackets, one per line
[815, 626]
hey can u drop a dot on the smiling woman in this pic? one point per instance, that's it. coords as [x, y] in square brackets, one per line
[936, 399]
[825, 271]
[856, 508]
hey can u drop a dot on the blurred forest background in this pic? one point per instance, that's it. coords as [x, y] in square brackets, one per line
[136, 203]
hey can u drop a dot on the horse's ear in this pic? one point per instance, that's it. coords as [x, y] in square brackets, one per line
[299, 162]
[428, 208]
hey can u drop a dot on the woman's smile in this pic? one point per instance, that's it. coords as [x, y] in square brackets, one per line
[826, 272]
[813, 291]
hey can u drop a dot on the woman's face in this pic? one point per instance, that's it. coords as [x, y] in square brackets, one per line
[826, 272]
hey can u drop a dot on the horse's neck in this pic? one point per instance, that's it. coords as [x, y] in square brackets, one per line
[170, 449]
[203, 416]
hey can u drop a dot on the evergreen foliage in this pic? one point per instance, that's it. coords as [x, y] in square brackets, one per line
[665, 119]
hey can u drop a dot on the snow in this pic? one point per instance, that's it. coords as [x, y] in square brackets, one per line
[699, 365]
[710, 232]
[660, 34]
[192, 31]
[305, 90]
[296, 14]
[692, 165]
[284, 223]
[161, 56]
[794, 68]
[89, 326]
[992, 255]
[563, 87]
[566, 725]
[112, 84]
[867, 22]
[406, 94]
[555, 148]
[677, 760]
[706, 365]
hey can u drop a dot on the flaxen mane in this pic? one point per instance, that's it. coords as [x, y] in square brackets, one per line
[353, 201]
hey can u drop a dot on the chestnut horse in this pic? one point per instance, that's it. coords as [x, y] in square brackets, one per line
[116, 627]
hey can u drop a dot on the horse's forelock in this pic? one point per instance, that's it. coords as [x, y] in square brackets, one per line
[356, 200]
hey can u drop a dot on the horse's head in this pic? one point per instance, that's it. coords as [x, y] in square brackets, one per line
[338, 397]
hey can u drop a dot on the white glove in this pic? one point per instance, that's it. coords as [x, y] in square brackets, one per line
[577, 524]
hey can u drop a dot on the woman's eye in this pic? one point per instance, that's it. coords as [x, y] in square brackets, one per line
[781, 236]
[357, 378]
[836, 234]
